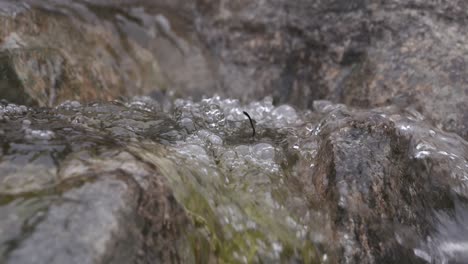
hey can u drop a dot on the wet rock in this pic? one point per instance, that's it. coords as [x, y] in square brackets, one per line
[99, 214]
[34, 76]
[403, 65]
[132, 181]
[78, 197]
[382, 196]
[187, 180]
[360, 175]
[362, 53]
[51, 52]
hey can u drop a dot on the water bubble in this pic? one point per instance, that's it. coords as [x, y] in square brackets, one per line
[39, 134]
[242, 150]
[23, 108]
[194, 152]
[214, 117]
[144, 103]
[229, 155]
[203, 133]
[284, 115]
[263, 151]
[187, 123]
[232, 162]
[215, 139]
[13, 109]
[26, 123]
[69, 105]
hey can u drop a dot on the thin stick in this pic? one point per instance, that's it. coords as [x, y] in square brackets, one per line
[251, 123]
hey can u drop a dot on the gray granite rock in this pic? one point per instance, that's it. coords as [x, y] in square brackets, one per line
[358, 52]
[70, 195]
[386, 190]
[379, 178]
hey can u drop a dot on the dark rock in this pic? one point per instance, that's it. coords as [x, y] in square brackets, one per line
[360, 178]
[377, 185]
[35, 77]
[85, 51]
[69, 195]
[386, 196]
[127, 181]
[362, 53]
[94, 223]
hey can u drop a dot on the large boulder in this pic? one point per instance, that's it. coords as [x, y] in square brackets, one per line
[358, 52]
[68, 194]
[143, 180]
[53, 51]
[135, 181]
[386, 185]
[362, 53]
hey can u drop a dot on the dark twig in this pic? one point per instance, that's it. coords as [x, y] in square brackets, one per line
[251, 123]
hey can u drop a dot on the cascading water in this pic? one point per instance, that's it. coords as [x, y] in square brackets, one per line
[115, 147]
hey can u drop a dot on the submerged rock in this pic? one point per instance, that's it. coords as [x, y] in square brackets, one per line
[77, 196]
[384, 184]
[126, 181]
[380, 178]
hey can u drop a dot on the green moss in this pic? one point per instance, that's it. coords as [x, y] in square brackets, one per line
[254, 231]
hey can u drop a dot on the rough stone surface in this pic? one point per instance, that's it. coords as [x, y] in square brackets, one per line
[68, 195]
[362, 53]
[376, 173]
[83, 227]
[363, 176]
[384, 191]
[126, 181]
[52, 51]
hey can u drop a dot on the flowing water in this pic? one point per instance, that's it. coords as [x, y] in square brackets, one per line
[247, 194]
[243, 193]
